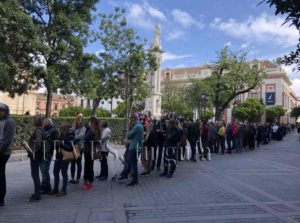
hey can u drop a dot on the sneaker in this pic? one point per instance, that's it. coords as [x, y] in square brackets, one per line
[91, 186]
[122, 178]
[132, 184]
[72, 182]
[102, 178]
[53, 192]
[99, 176]
[62, 193]
[34, 198]
[169, 176]
[77, 181]
[85, 185]
[145, 174]
[163, 174]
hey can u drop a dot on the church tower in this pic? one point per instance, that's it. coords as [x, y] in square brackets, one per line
[153, 102]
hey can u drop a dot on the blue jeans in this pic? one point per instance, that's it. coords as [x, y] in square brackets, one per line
[45, 166]
[35, 165]
[133, 163]
[61, 166]
[237, 144]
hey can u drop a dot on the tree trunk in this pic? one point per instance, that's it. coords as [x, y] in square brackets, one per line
[217, 114]
[49, 102]
[111, 106]
[95, 106]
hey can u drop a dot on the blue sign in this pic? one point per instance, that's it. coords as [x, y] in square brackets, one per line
[270, 98]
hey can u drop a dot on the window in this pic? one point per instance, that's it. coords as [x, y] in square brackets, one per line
[55, 106]
[81, 102]
[102, 102]
[254, 95]
[38, 104]
[88, 102]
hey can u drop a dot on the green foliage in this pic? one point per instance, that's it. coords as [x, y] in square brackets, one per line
[120, 110]
[24, 127]
[231, 76]
[274, 113]
[55, 32]
[291, 9]
[250, 110]
[295, 112]
[71, 111]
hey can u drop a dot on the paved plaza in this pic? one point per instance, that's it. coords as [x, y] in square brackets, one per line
[259, 186]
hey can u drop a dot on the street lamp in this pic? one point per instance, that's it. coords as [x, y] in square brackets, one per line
[204, 99]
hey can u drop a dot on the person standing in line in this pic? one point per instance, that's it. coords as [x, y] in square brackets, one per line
[221, 134]
[36, 157]
[171, 145]
[105, 137]
[192, 138]
[161, 129]
[7, 134]
[229, 138]
[205, 140]
[134, 141]
[66, 138]
[91, 141]
[80, 131]
[50, 136]
[235, 135]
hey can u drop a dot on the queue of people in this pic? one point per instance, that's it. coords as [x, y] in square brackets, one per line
[166, 142]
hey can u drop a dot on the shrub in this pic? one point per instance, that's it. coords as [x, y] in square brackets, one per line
[71, 111]
[24, 127]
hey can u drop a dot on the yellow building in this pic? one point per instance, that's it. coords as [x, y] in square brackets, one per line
[19, 105]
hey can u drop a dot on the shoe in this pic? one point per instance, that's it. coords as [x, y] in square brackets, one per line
[99, 176]
[132, 184]
[72, 182]
[53, 192]
[145, 174]
[169, 176]
[34, 198]
[163, 174]
[46, 191]
[102, 178]
[1, 203]
[85, 185]
[122, 178]
[77, 181]
[62, 193]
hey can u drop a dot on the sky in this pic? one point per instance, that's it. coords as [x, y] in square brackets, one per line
[193, 31]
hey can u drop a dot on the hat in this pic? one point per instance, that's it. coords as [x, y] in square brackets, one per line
[3, 107]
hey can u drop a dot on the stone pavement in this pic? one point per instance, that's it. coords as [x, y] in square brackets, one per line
[251, 187]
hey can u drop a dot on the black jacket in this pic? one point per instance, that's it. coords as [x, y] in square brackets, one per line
[65, 143]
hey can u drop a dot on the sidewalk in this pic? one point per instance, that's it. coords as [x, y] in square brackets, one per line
[259, 186]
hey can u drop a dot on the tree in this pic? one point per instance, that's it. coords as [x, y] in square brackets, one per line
[60, 30]
[231, 76]
[71, 111]
[291, 9]
[295, 113]
[274, 113]
[249, 110]
[120, 110]
[19, 46]
[125, 55]
[197, 97]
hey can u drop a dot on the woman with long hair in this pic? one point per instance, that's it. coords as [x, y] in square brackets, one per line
[91, 141]
[66, 138]
[79, 134]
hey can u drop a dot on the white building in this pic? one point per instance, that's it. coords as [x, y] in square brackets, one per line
[105, 104]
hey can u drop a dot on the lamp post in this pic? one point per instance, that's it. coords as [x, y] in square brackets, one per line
[204, 99]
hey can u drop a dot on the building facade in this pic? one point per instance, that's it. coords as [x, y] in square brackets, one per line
[20, 104]
[59, 102]
[274, 90]
[105, 104]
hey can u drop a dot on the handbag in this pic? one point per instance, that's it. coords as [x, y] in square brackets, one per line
[68, 155]
[96, 152]
[76, 151]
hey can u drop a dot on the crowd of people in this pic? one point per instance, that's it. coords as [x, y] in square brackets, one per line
[160, 144]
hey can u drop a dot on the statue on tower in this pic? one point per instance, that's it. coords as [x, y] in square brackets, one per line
[153, 102]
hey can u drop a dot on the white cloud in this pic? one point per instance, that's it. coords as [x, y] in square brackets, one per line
[144, 15]
[227, 44]
[185, 19]
[180, 66]
[244, 45]
[175, 34]
[170, 56]
[296, 86]
[263, 29]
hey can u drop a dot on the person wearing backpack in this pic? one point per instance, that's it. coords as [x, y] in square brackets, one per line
[36, 157]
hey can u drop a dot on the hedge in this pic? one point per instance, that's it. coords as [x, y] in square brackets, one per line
[24, 127]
